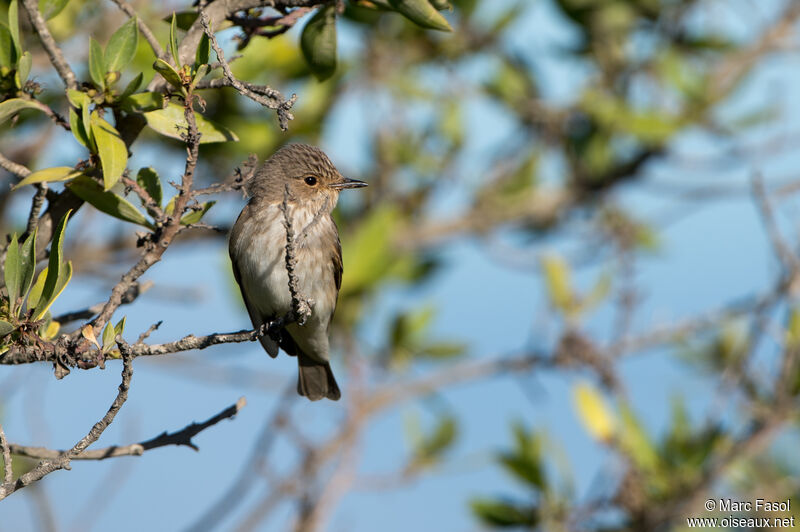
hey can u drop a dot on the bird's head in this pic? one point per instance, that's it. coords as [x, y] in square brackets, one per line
[307, 172]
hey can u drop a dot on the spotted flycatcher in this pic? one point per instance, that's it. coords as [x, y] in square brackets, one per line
[306, 179]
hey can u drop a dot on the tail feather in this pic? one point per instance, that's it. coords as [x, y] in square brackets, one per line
[315, 380]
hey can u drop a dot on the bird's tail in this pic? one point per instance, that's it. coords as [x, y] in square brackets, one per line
[315, 380]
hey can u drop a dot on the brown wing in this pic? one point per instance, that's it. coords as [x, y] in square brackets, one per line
[270, 344]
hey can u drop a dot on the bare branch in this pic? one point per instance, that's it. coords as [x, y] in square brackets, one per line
[46, 467]
[272, 100]
[36, 207]
[301, 308]
[50, 46]
[14, 168]
[782, 250]
[182, 437]
[8, 473]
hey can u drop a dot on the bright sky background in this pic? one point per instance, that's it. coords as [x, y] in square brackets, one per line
[712, 252]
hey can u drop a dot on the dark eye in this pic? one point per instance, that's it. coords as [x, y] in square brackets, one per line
[310, 180]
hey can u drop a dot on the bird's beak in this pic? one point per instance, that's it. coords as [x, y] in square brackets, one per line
[347, 183]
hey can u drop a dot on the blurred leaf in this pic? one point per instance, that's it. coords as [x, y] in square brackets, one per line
[171, 122]
[422, 13]
[13, 26]
[132, 86]
[169, 73]
[504, 514]
[108, 202]
[793, 329]
[441, 350]
[434, 444]
[121, 46]
[558, 280]
[12, 106]
[525, 461]
[111, 148]
[203, 54]
[96, 68]
[148, 180]
[183, 19]
[173, 40]
[142, 102]
[51, 330]
[195, 216]
[635, 441]
[23, 68]
[51, 8]
[59, 273]
[12, 271]
[108, 337]
[6, 328]
[78, 131]
[318, 42]
[597, 419]
[8, 54]
[368, 253]
[49, 175]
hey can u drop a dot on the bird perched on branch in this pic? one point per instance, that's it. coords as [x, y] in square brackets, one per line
[292, 196]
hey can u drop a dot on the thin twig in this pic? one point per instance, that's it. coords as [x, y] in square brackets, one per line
[8, 473]
[14, 168]
[274, 101]
[53, 51]
[36, 207]
[182, 437]
[301, 309]
[63, 462]
[782, 250]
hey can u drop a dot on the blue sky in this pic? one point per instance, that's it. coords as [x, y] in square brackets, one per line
[710, 255]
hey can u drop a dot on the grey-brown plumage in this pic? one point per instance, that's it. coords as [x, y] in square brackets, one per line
[258, 252]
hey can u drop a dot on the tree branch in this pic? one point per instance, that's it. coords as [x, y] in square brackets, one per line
[53, 51]
[182, 437]
[8, 473]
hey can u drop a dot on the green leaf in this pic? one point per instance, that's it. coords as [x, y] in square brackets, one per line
[143, 102]
[173, 40]
[122, 46]
[133, 86]
[596, 417]
[202, 70]
[195, 216]
[58, 273]
[119, 328]
[6, 328]
[504, 513]
[78, 130]
[318, 42]
[78, 99]
[421, 13]
[171, 122]
[23, 68]
[108, 202]
[51, 8]
[11, 107]
[368, 252]
[96, 67]
[203, 54]
[13, 26]
[13, 274]
[108, 337]
[148, 180]
[111, 148]
[184, 19]
[27, 254]
[437, 442]
[559, 284]
[49, 175]
[168, 73]
[525, 462]
[8, 54]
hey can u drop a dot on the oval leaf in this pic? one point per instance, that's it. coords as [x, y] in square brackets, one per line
[27, 254]
[318, 42]
[51, 8]
[6, 328]
[11, 107]
[23, 68]
[143, 102]
[108, 202]
[148, 180]
[171, 123]
[593, 412]
[122, 46]
[111, 148]
[13, 25]
[422, 13]
[49, 175]
[78, 131]
[13, 274]
[58, 273]
[96, 68]
[168, 73]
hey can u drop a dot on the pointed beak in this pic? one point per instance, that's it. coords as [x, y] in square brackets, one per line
[347, 183]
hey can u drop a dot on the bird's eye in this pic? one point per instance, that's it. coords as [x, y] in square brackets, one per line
[311, 180]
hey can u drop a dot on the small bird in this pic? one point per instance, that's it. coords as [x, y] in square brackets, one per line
[304, 177]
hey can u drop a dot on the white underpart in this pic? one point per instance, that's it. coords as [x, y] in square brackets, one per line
[265, 280]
